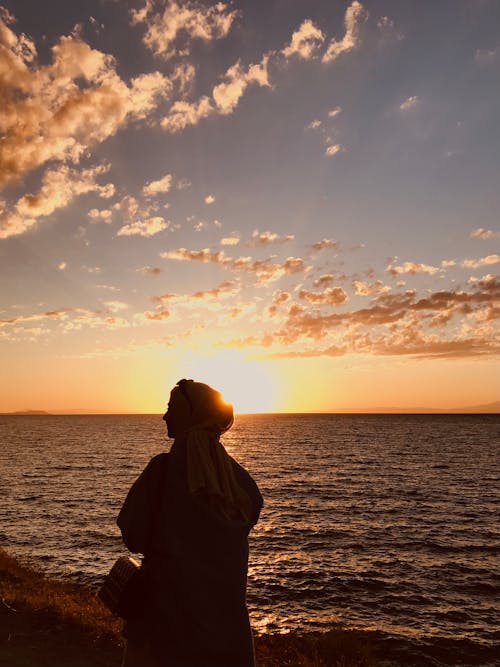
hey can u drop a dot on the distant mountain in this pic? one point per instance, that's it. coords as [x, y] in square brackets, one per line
[27, 412]
[485, 407]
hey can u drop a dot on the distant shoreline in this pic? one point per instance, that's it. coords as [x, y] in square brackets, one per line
[488, 409]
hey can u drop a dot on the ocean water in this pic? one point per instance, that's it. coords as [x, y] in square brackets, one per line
[388, 523]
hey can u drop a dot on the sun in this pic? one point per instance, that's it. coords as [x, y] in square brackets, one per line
[244, 382]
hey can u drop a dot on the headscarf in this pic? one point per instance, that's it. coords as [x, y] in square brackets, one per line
[210, 472]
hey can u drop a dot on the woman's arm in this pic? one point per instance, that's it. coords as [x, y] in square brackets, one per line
[136, 515]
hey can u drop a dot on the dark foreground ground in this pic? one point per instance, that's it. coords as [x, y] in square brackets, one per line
[47, 623]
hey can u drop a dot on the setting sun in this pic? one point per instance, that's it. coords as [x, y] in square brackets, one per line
[244, 382]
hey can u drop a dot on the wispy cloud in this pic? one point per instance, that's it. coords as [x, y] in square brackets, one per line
[332, 296]
[305, 42]
[482, 233]
[354, 17]
[333, 149]
[324, 244]
[58, 189]
[365, 289]
[483, 261]
[171, 29]
[263, 270]
[411, 268]
[148, 227]
[409, 103]
[57, 111]
[268, 238]
[155, 187]
[230, 240]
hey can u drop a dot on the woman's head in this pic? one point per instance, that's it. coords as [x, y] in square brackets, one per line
[195, 403]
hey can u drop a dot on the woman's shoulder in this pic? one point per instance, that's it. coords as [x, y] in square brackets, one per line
[156, 464]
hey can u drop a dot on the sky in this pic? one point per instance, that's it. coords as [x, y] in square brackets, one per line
[295, 201]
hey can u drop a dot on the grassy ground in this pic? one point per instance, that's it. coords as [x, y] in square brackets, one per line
[46, 623]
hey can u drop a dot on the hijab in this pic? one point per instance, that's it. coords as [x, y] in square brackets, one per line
[210, 471]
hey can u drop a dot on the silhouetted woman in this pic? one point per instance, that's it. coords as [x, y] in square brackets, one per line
[190, 513]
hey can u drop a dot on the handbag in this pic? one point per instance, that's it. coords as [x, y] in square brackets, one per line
[123, 591]
[123, 587]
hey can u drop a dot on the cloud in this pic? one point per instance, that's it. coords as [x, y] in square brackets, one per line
[161, 185]
[72, 319]
[205, 255]
[412, 268]
[402, 324]
[57, 111]
[182, 114]
[333, 150]
[148, 227]
[484, 261]
[269, 238]
[149, 270]
[279, 297]
[171, 30]
[158, 315]
[332, 296]
[364, 289]
[409, 103]
[226, 288]
[305, 41]
[230, 240]
[227, 94]
[105, 214]
[334, 112]
[225, 97]
[262, 270]
[209, 199]
[58, 189]
[482, 233]
[355, 15]
[325, 243]
[116, 306]
[324, 280]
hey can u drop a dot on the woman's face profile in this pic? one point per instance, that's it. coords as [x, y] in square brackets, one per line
[177, 416]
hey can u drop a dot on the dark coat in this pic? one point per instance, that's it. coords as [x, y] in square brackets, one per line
[196, 564]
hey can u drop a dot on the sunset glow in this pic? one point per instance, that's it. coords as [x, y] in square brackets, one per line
[298, 207]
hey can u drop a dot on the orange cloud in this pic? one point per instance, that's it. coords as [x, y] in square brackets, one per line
[263, 270]
[148, 227]
[58, 189]
[364, 289]
[484, 261]
[324, 280]
[57, 111]
[401, 324]
[412, 268]
[332, 296]
[325, 243]
[354, 17]
[172, 28]
[225, 97]
[155, 187]
[305, 41]
[268, 238]
[482, 233]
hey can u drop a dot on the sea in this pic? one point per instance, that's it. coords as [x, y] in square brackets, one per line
[389, 524]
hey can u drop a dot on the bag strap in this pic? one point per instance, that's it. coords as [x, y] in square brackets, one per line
[157, 504]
